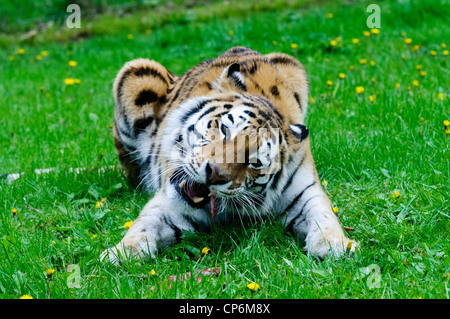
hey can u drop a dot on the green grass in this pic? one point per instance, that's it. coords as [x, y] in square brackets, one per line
[364, 150]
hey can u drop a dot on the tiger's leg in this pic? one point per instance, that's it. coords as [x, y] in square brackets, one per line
[159, 225]
[310, 217]
[140, 94]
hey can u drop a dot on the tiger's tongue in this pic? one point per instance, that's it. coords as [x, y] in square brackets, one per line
[194, 191]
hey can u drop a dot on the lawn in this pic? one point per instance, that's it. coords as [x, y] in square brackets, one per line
[382, 155]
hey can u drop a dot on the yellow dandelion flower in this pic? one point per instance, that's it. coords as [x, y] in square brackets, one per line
[26, 297]
[447, 275]
[312, 100]
[447, 131]
[44, 53]
[443, 45]
[338, 39]
[441, 96]
[69, 81]
[408, 41]
[362, 61]
[11, 58]
[205, 251]
[341, 76]
[445, 52]
[148, 31]
[433, 53]
[93, 236]
[130, 36]
[355, 41]
[419, 66]
[39, 57]
[253, 286]
[372, 80]
[21, 51]
[366, 34]
[372, 63]
[375, 31]
[415, 47]
[275, 43]
[152, 272]
[98, 205]
[231, 32]
[397, 85]
[333, 43]
[294, 45]
[446, 123]
[330, 15]
[14, 210]
[128, 224]
[403, 34]
[329, 83]
[73, 64]
[325, 183]
[423, 73]
[335, 209]
[359, 89]
[415, 83]
[371, 98]
[403, 57]
[50, 272]
[396, 194]
[351, 67]
[77, 81]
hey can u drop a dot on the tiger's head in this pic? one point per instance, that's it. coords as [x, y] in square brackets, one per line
[227, 148]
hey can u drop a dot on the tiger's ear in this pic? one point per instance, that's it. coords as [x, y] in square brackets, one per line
[231, 79]
[297, 134]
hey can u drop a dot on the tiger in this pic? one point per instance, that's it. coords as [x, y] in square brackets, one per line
[227, 139]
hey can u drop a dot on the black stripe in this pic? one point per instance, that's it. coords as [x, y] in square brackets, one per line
[195, 110]
[297, 98]
[146, 70]
[211, 109]
[282, 60]
[290, 227]
[304, 205]
[298, 197]
[141, 124]
[125, 75]
[176, 229]
[274, 91]
[291, 224]
[276, 178]
[291, 177]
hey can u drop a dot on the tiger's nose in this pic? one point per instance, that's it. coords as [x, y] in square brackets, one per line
[213, 177]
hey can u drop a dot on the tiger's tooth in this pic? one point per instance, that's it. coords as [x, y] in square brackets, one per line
[197, 200]
[182, 184]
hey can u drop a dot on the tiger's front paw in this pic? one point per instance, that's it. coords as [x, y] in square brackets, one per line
[135, 247]
[323, 245]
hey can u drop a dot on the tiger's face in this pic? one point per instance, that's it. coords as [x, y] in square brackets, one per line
[228, 148]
